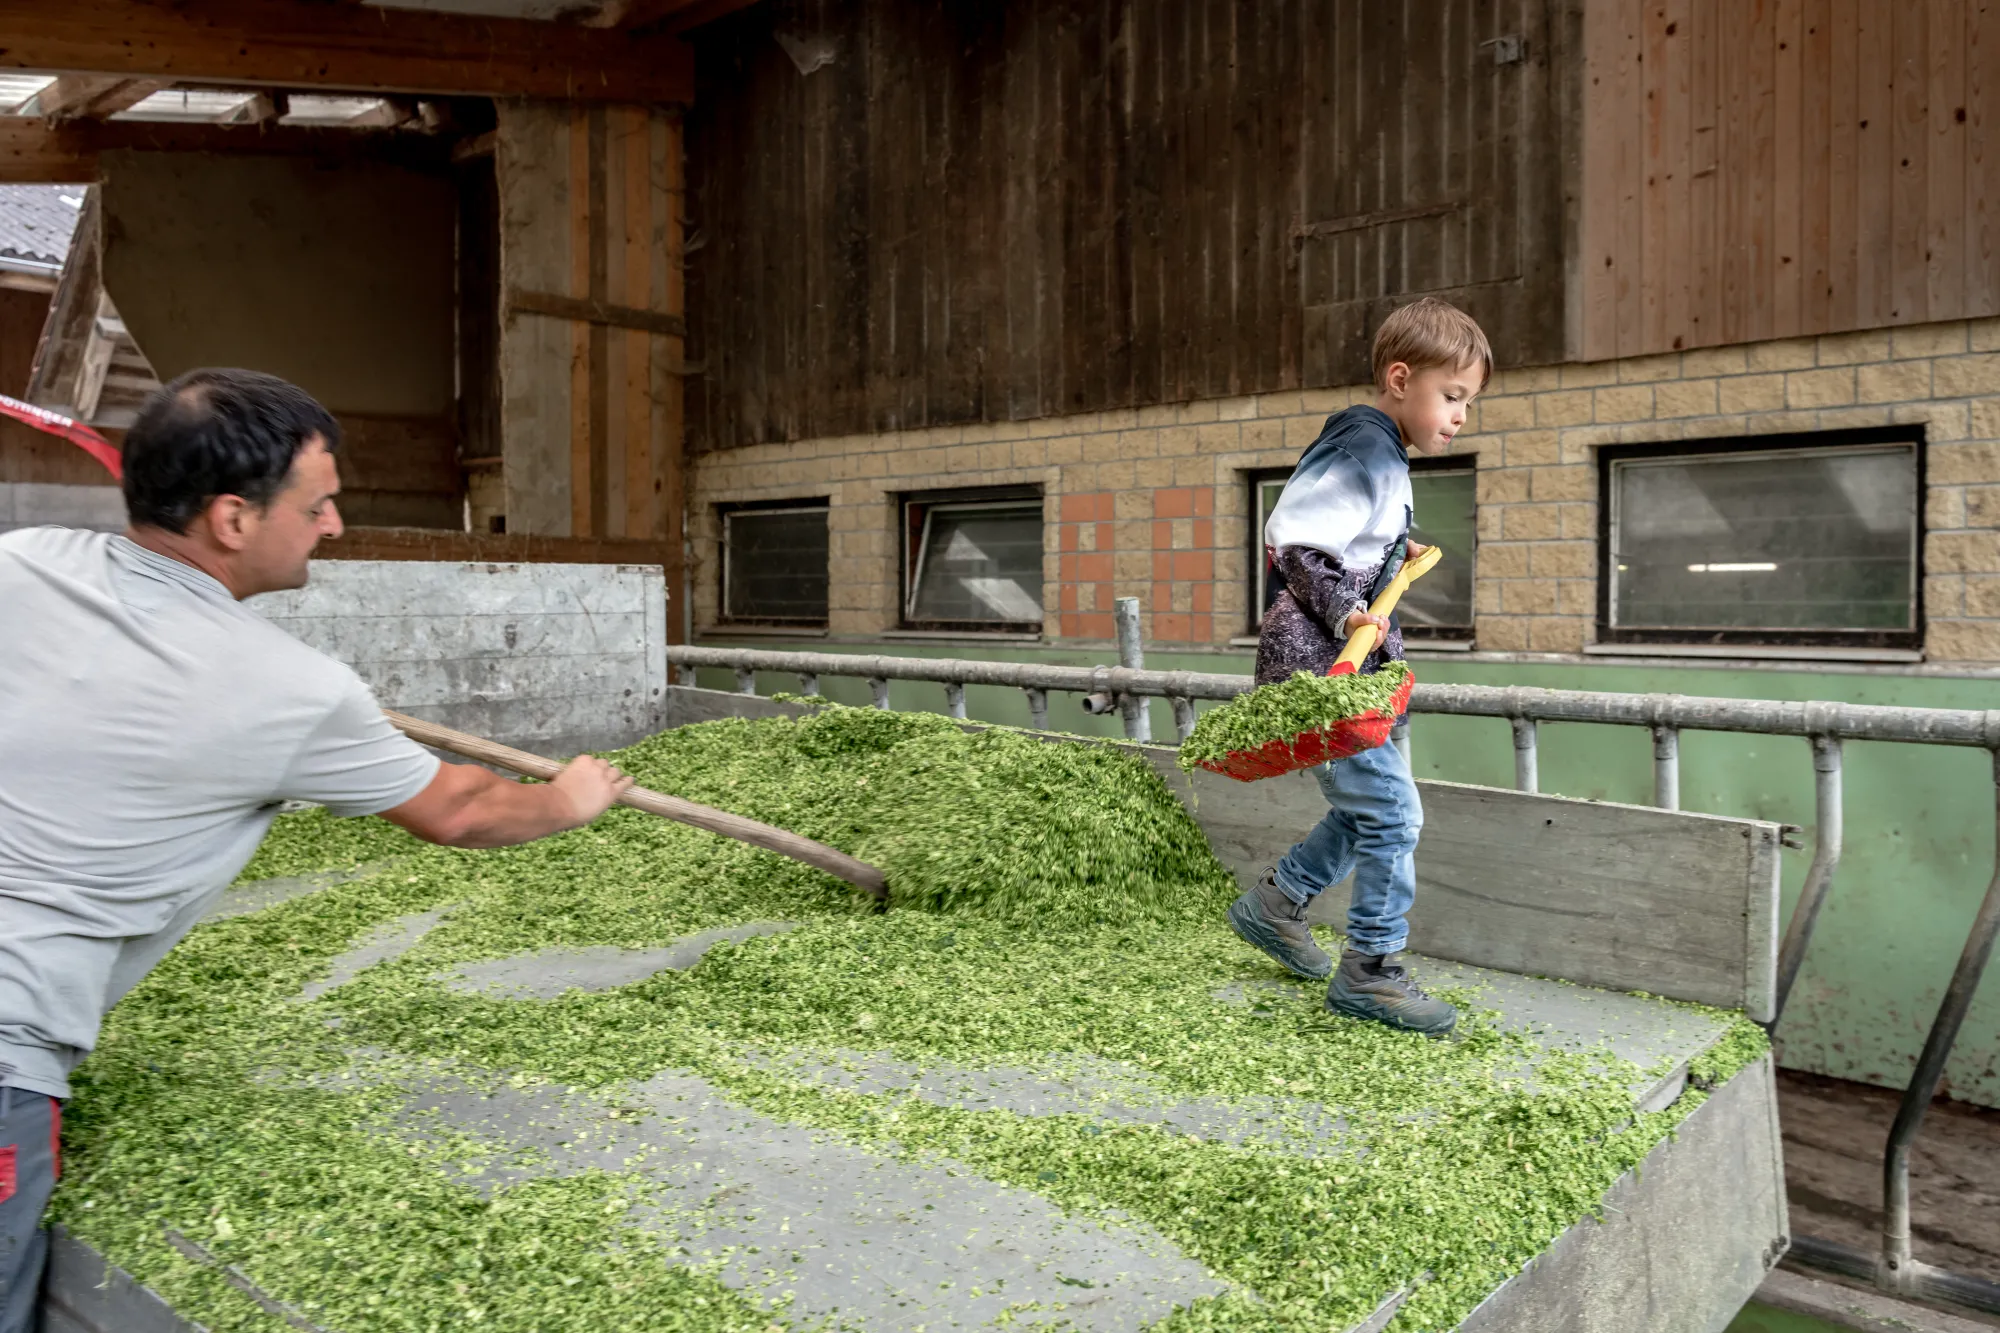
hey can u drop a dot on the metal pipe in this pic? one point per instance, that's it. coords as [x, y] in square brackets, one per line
[1924, 1282]
[1138, 714]
[1896, 1263]
[809, 682]
[1527, 776]
[1827, 808]
[1183, 716]
[1666, 768]
[746, 680]
[1976, 728]
[954, 700]
[879, 687]
[1038, 709]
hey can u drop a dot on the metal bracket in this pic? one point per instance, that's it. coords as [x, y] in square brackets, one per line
[1509, 50]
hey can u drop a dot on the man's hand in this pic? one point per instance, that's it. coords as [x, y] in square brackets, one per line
[1360, 618]
[590, 786]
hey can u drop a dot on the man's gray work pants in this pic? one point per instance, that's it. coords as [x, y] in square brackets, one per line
[30, 1146]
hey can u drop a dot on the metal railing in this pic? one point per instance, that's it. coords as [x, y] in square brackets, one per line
[1824, 725]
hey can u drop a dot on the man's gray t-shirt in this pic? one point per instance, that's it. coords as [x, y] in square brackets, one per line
[149, 727]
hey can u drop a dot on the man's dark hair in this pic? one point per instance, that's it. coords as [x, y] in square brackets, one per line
[217, 432]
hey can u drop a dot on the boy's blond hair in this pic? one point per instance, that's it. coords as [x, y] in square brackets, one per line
[1428, 332]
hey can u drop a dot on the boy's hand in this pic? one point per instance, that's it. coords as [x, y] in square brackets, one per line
[1360, 618]
[1414, 549]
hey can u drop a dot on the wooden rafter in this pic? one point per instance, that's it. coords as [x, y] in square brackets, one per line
[89, 96]
[35, 152]
[362, 48]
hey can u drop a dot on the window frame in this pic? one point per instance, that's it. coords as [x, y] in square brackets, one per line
[1414, 636]
[727, 510]
[910, 550]
[1910, 434]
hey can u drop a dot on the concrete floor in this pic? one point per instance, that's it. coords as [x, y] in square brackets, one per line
[1834, 1133]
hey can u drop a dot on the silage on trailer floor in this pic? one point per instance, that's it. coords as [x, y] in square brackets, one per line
[1031, 934]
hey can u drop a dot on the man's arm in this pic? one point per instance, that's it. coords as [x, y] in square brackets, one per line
[469, 806]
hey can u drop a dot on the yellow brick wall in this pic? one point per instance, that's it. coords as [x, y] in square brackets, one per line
[1156, 497]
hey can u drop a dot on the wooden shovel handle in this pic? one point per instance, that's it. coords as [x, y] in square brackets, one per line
[816, 854]
[1362, 641]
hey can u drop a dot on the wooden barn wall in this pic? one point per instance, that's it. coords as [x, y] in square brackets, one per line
[590, 201]
[1009, 210]
[1768, 168]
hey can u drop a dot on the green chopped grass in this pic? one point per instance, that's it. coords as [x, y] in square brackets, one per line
[1053, 902]
[1285, 708]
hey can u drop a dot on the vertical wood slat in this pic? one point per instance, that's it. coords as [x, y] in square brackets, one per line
[1603, 162]
[1787, 180]
[1909, 287]
[1843, 164]
[1982, 156]
[578, 194]
[1815, 162]
[1944, 161]
[1703, 263]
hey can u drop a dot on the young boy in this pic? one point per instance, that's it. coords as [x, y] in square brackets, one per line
[1337, 536]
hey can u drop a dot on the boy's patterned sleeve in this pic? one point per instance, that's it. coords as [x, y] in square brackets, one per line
[1321, 585]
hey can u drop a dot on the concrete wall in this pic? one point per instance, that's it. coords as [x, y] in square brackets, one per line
[1152, 502]
[550, 658]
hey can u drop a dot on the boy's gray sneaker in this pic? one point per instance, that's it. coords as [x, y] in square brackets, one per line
[1378, 987]
[1266, 918]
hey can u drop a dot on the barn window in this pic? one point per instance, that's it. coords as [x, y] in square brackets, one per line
[1800, 540]
[1438, 607]
[972, 560]
[774, 563]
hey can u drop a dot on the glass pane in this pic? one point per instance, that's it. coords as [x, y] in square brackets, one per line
[1804, 541]
[982, 563]
[1445, 517]
[1267, 587]
[776, 565]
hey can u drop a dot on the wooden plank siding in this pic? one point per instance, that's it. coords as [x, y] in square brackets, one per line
[590, 208]
[999, 212]
[1759, 169]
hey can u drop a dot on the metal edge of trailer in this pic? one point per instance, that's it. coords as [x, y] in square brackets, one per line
[84, 1292]
[1684, 1239]
[1681, 1243]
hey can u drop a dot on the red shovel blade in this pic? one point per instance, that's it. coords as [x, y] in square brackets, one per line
[78, 434]
[1342, 740]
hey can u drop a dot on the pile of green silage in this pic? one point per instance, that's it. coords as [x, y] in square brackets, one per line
[1069, 910]
[1285, 708]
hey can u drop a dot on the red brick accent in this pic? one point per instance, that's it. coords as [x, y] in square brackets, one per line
[1094, 567]
[1174, 502]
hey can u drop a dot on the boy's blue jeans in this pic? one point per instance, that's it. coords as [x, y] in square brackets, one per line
[1372, 831]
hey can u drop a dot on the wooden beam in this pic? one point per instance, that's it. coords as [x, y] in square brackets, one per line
[363, 48]
[89, 96]
[33, 152]
[595, 312]
[663, 16]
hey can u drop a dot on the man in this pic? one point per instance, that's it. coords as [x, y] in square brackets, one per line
[150, 725]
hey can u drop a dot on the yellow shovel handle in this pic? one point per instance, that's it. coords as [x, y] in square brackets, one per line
[1362, 641]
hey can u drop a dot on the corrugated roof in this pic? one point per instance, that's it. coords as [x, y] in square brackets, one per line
[36, 223]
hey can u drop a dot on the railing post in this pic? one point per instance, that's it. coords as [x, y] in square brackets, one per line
[1183, 716]
[1828, 814]
[1896, 1265]
[1399, 736]
[879, 687]
[1132, 654]
[1526, 774]
[746, 681]
[1666, 768]
[1038, 709]
[954, 699]
[808, 682]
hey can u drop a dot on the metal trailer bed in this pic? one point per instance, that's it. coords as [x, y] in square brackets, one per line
[1583, 919]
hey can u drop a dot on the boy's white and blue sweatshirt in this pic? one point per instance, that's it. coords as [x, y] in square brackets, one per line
[1333, 530]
